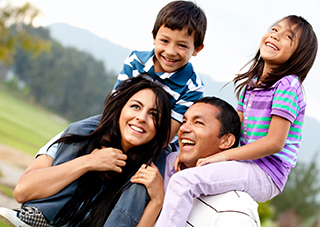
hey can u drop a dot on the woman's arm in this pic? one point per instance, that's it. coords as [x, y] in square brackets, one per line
[272, 143]
[41, 179]
[152, 179]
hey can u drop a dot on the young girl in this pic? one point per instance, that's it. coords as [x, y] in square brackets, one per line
[271, 109]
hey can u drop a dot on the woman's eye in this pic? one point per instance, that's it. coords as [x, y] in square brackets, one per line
[153, 114]
[135, 106]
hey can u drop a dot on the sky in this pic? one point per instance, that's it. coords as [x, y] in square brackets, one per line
[234, 31]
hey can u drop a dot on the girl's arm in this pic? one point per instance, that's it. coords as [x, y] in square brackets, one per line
[153, 181]
[272, 143]
[41, 179]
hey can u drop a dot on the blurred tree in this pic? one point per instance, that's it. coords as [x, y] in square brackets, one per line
[65, 80]
[301, 193]
[13, 24]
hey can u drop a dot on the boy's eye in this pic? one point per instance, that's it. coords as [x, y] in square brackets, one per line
[182, 45]
[274, 29]
[164, 41]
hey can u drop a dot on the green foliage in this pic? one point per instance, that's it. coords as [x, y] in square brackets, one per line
[13, 24]
[265, 212]
[65, 80]
[301, 193]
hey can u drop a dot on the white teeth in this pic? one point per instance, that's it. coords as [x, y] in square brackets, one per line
[136, 128]
[169, 60]
[185, 141]
[272, 46]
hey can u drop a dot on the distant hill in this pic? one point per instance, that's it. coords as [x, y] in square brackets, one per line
[113, 56]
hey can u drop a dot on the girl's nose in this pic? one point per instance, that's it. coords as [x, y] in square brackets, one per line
[274, 36]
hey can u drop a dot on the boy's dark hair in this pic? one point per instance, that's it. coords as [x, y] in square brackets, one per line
[298, 64]
[228, 117]
[182, 14]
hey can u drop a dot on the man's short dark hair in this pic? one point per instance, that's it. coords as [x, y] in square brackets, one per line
[228, 117]
[180, 15]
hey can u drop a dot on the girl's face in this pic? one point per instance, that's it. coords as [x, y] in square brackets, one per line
[137, 120]
[278, 45]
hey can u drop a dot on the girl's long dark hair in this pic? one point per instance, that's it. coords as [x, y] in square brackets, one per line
[96, 196]
[298, 64]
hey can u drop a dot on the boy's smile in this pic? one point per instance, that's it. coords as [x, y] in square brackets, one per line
[173, 49]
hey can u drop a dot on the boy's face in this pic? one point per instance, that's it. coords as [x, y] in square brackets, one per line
[173, 49]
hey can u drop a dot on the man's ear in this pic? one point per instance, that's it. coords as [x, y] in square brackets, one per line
[196, 51]
[227, 141]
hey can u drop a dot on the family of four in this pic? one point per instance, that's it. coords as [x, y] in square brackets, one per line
[126, 167]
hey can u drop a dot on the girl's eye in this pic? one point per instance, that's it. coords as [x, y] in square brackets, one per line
[274, 29]
[182, 45]
[289, 36]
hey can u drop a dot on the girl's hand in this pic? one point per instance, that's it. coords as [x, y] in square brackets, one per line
[107, 159]
[150, 177]
[219, 157]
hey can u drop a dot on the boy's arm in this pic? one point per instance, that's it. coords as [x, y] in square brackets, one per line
[272, 143]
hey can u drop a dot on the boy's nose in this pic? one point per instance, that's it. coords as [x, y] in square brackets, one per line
[171, 50]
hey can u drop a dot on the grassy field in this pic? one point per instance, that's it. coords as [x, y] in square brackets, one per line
[26, 127]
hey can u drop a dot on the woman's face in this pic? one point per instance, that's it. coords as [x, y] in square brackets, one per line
[137, 120]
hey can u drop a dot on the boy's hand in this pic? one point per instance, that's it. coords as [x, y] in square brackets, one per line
[219, 157]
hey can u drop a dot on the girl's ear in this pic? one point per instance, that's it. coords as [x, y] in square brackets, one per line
[227, 141]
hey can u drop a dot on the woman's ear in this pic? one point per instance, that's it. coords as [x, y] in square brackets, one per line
[227, 141]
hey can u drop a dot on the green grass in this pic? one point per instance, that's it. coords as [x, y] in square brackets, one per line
[25, 126]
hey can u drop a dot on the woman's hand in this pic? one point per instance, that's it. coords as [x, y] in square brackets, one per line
[107, 159]
[150, 177]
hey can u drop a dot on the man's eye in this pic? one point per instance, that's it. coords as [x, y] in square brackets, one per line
[199, 123]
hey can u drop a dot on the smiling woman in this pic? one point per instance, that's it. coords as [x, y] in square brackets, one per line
[133, 128]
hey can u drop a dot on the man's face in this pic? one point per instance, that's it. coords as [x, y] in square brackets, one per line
[198, 134]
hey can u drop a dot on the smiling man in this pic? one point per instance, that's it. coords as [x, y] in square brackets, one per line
[209, 126]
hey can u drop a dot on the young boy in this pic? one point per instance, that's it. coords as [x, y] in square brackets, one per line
[178, 34]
